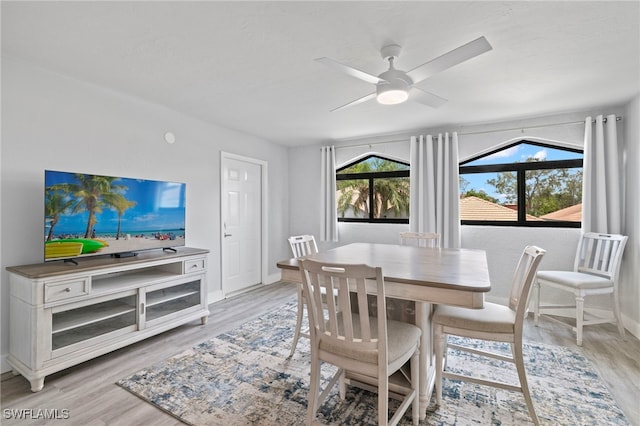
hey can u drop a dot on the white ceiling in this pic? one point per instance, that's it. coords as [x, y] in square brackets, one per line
[250, 65]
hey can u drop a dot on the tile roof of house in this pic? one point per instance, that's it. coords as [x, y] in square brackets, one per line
[571, 213]
[474, 208]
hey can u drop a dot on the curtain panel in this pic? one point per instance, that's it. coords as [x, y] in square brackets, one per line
[435, 187]
[602, 207]
[329, 211]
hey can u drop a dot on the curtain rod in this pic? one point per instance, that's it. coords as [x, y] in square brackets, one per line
[618, 118]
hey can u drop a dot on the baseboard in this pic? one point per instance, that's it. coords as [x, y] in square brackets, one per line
[633, 327]
[214, 296]
[4, 365]
[273, 278]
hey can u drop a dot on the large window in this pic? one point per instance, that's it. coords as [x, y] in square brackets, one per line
[373, 189]
[524, 184]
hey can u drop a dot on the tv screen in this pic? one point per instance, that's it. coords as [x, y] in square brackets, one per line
[90, 215]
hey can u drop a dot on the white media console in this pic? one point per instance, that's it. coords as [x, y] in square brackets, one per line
[63, 314]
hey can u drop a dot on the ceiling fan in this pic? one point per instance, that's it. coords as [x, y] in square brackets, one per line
[393, 86]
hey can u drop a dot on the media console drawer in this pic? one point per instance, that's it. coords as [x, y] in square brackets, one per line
[194, 266]
[62, 290]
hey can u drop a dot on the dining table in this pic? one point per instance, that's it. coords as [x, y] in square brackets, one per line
[421, 276]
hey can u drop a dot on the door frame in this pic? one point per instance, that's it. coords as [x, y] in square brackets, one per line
[264, 247]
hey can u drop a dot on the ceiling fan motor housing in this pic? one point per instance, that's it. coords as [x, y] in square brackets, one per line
[395, 87]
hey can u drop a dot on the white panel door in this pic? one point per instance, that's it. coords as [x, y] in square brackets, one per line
[241, 224]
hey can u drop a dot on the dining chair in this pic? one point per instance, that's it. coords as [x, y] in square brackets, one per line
[420, 239]
[301, 245]
[595, 271]
[494, 323]
[366, 347]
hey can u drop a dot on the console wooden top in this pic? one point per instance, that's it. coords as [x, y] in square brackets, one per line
[96, 263]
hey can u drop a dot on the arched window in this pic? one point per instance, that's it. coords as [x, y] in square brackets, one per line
[523, 184]
[373, 189]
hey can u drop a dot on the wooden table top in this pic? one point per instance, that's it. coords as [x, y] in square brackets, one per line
[454, 269]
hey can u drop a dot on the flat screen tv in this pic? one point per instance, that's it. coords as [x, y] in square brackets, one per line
[92, 215]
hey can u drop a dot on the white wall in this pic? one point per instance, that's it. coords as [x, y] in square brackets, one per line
[503, 244]
[52, 122]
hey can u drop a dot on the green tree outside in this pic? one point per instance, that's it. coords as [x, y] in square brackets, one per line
[546, 190]
[390, 195]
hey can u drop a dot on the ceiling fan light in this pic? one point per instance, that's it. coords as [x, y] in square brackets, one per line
[393, 91]
[392, 97]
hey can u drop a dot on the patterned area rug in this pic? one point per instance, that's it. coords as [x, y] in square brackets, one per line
[245, 378]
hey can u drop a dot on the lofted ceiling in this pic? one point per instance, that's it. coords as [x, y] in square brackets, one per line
[250, 65]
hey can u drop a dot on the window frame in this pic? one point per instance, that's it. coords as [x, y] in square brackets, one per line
[371, 176]
[520, 169]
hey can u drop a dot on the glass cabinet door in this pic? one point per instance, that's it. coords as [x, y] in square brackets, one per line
[77, 325]
[166, 301]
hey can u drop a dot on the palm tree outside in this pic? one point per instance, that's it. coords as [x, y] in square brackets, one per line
[371, 188]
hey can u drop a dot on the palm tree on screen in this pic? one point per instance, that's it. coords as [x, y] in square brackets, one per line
[56, 204]
[91, 194]
[120, 204]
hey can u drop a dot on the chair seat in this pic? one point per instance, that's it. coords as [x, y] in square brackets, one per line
[401, 337]
[492, 318]
[493, 322]
[577, 280]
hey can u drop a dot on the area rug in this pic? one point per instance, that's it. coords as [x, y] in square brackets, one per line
[244, 377]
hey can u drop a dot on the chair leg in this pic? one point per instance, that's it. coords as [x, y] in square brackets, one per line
[415, 386]
[439, 338]
[314, 390]
[383, 401]
[522, 375]
[342, 385]
[296, 335]
[579, 319]
[616, 313]
[536, 303]
[445, 351]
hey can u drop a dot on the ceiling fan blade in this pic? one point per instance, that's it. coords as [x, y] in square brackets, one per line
[356, 102]
[426, 98]
[448, 60]
[353, 72]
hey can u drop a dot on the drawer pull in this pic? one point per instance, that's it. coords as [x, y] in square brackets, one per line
[68, 290]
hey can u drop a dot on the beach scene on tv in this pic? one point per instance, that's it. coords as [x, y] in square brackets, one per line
[90, 215]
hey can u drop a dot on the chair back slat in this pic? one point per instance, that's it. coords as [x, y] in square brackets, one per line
[600, 254]
[336, 323]
[523, 278]
[303, 245]
[420, 239]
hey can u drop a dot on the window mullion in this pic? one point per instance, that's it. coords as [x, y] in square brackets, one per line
[371, 200]
[522, 200]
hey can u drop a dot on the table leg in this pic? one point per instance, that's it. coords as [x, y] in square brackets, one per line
[427, 371]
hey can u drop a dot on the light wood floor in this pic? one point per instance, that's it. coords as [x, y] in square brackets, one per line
[89, 393]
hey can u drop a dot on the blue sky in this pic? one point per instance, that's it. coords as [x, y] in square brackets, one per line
[159, 205]
[515, 154]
